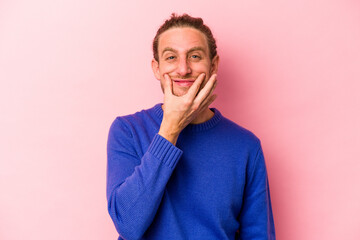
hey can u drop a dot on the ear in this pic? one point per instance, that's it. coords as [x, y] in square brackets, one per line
[214, 64]
[155, 68]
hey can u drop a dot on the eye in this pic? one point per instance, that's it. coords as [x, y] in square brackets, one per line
[195, 57]
[170, 58]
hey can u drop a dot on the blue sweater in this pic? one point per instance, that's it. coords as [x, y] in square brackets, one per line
[212, 185]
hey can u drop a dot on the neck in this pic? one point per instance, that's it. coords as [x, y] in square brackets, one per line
[204, 116]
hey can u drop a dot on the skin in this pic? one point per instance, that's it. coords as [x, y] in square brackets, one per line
[188, 79]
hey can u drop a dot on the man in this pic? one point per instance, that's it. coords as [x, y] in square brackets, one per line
[181, 170]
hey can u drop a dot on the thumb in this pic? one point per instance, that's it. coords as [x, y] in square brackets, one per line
[167, 85]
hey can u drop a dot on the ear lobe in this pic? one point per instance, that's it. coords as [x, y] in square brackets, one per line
[215, 64]
[155, 68]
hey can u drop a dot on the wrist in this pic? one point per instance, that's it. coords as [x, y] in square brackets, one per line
[169, 134]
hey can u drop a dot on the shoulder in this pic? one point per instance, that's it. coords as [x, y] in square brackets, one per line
[136, 124]
[137, 118]
[238, 133]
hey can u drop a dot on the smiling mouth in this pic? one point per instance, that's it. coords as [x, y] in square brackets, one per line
[184, 83]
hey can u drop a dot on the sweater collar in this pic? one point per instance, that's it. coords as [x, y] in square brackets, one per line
[212, 122]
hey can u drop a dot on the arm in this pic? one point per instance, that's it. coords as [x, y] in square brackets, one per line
[256, 218]
[135, 186]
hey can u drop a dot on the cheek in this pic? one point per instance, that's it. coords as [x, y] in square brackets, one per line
[200, 67]
[166, 68]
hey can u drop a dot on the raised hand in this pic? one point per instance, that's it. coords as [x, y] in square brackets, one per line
[179, 111]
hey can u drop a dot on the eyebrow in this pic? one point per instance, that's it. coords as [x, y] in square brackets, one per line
[190, 50]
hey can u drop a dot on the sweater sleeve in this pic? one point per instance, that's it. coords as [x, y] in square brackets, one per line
[135, 185]
[256, 218]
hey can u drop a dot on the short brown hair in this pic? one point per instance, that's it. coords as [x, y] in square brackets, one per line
[185, 21]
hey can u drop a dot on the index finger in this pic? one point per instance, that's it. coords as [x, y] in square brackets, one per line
[193, 90]
[207, 89]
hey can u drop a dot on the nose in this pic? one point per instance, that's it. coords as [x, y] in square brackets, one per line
[183, 68]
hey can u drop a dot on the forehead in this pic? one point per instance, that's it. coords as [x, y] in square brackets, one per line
[182, 39]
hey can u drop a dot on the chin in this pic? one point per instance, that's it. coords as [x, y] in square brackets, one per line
[180, 92]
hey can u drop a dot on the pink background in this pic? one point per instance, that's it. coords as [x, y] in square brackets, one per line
[289, 72]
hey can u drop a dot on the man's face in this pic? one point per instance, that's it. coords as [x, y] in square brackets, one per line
[183, 55]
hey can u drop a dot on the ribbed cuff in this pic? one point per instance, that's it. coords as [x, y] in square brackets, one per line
[165, 151]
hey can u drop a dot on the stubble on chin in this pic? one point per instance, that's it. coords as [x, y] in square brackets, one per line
[179, 92]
